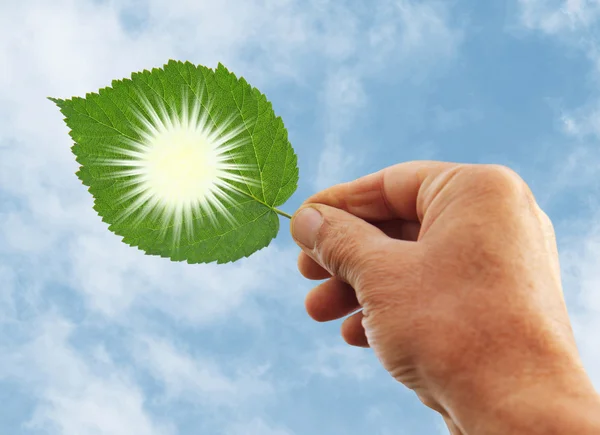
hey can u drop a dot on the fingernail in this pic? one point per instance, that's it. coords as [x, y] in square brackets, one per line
[306, 226]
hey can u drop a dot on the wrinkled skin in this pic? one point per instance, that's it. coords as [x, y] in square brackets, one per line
[454, 270]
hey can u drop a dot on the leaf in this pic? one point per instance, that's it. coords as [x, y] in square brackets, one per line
[184, 161]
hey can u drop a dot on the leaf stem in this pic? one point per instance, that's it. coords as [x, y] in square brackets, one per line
[282, 213]
[276, 210]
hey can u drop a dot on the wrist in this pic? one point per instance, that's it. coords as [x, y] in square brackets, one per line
[543, 412]
[566, 404]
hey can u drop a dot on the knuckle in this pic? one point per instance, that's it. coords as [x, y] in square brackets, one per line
[499, 177]
[502, 171]
[499, 181]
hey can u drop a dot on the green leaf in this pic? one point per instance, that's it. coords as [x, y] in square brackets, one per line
[184, 161]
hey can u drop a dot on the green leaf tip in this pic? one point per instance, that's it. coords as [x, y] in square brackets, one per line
[56, 101]
[184, 162]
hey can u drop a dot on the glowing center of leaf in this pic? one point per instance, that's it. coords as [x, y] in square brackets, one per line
[182, 165]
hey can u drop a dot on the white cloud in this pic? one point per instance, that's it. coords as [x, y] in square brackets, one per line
[555, 16]
[255, 426]
[198, 379]
[571, 168]
[573, 23]
[417, 38]
[241, 387]
[116, 279]
[7, 304]
[75, 395]
[335, 162]
[335, 360]
[414, 39]
[81, 392]
[582, 122]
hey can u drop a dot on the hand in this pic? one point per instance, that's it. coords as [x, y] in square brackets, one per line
[456, 270]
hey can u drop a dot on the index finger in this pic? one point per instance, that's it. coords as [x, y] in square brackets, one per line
[390, 193]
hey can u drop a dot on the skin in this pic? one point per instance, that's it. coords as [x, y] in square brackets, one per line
[452, 274]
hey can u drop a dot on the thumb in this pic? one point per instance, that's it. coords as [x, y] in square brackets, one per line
[345, 245]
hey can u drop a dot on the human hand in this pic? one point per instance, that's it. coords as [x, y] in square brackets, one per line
[456, 270]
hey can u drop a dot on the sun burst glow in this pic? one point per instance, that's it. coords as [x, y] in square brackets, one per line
[181, 167]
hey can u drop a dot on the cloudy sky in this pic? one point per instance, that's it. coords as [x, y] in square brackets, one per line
[98, 339]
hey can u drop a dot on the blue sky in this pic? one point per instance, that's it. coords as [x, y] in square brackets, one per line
[96, 338]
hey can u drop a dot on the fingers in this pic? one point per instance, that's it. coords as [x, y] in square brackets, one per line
[385, 195]
[396, 229]
[310, 269]
[344, 245]
[353, 331]
[331, 300]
